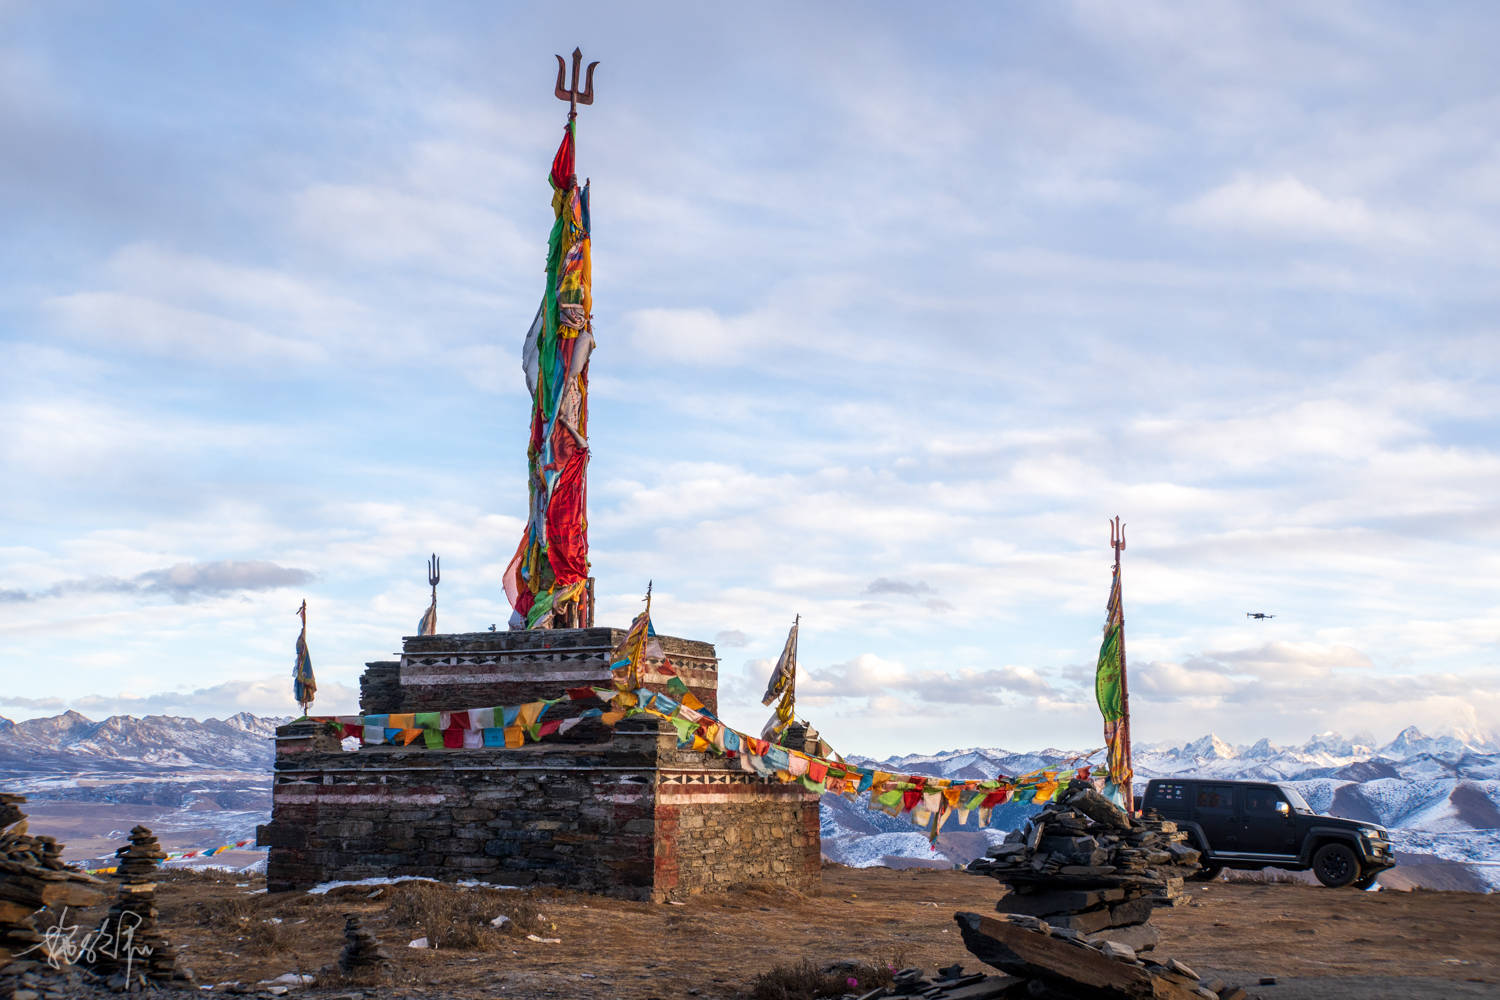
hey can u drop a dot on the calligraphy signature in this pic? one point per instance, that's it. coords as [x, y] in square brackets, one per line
[62, 944]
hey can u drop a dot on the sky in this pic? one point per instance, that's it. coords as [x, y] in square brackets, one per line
[895, 307]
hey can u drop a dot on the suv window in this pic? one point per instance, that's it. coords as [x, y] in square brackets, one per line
[1171, 793]
[1215, 798]
[1264, 801]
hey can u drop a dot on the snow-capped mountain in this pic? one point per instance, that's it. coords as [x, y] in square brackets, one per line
[1439, 795]
[71, 742]
[196, 783]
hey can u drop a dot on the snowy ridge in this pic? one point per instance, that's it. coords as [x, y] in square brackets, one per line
[71, 743]
[1439, 795]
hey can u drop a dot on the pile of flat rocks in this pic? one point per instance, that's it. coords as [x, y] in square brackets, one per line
[33, 876]
[1083, 878]
[134, 953]
[1085, 867]
[1105, 983]
[362, 950]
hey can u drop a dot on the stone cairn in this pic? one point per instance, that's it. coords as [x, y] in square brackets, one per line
[136, 942]
[1083, 866]
[1083, 880]
[362, 951]
[1075, 925]
[33, 876]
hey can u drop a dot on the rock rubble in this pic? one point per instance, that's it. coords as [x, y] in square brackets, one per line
[33, 876]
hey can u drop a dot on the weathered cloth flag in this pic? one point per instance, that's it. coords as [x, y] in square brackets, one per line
[625, 660]
[783, 684]
[428, 624]
[1109, 690]
[551, 565]
[304, 686]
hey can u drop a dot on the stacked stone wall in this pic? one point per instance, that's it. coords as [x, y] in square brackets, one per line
[629, 816]
[380, 688]
[480, 669]
[716, 830]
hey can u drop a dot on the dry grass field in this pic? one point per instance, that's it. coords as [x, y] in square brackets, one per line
[1420, 943]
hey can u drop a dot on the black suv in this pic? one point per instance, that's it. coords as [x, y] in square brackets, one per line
[1253, 824]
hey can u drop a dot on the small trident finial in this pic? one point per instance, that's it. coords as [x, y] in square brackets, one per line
[434, 573]
[573, 95]
[1117, 537]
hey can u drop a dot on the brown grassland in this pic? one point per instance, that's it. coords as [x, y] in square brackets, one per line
[718, 946]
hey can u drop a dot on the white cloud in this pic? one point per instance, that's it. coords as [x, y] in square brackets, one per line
[111, 320]
[387, 225]
[924, 324]
[1289, 208]
[264, 696]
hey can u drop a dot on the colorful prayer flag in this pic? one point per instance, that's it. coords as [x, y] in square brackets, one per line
[304, 685]
[551, 565]
[625, 659]
[1110, 692]
[783, 683]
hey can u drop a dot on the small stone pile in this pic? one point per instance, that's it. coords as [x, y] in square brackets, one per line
[1084, 866]
[33, 875]
[134, 952]
[362, 951]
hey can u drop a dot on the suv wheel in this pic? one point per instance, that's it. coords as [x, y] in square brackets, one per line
[1206, 874]
[1335, 865]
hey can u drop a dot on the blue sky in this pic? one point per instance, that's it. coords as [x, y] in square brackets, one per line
[894, 309]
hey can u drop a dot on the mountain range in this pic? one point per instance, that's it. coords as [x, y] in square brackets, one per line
[1439, 795]
[124, 744]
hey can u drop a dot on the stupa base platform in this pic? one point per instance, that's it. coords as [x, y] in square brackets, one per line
[622, 812]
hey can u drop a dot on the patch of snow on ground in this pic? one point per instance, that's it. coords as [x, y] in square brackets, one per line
[1318, 792]
[1478, 849]
[868, 852]
[1400, 802]
[324, 887]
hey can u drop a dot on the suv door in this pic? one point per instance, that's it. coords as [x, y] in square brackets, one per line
[1214, 811]
[1266, 822]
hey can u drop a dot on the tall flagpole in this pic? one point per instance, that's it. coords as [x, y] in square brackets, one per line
[547, 580]
[796, 620]
[635, 667]
[1117, 542]
[303, 684]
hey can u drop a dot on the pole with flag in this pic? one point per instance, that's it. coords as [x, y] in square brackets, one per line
[547, 580]
[783, 683]
[1111, 688]
[428, 624]
[625, 660]
[304, 686]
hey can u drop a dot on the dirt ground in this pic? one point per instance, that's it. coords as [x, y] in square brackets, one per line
[1414, 943]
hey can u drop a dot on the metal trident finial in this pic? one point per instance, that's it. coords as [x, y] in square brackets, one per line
[1117, 536]
[573, 95]
[434, 573]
